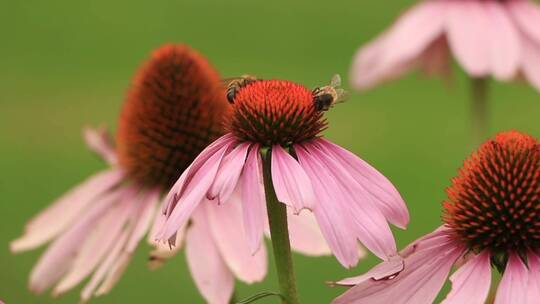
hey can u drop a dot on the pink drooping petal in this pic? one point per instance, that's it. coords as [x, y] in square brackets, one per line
[384, 194]
[144, 217]
[229, 173]
[305, 235]
[504, 41]
[467, 26]
[163, 252]
[225, 222]
[370, 225]
[531, 61]
[533, 288]
[195, 189]
[100, 141]
[471, 283]
[100, 240]
[526, 14]
[291, 183]
[513, 286]
[385, 58]
[426, 268]
[210, 273]
[334, 221]
[59, 257]
[115, 273]
[65, 211]
[253, 199]
[179, 187]
[385, 270]
[104, 268]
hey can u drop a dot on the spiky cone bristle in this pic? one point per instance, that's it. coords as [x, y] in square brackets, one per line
[272, 112]
[494, 203]
[174, 109]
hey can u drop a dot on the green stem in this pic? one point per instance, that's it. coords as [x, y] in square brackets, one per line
[277, 217]
[479, 107]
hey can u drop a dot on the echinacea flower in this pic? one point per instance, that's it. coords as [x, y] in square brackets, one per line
[499, 38]
[351, 200]
[173, 111]
[492, 218]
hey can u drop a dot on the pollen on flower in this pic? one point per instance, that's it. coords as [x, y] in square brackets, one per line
[173, 110]
[494, 203]
[275, 112]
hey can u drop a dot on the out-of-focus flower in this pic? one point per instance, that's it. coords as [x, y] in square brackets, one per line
[492, 218]
[487, 38]
[350, 199]
[173, 111]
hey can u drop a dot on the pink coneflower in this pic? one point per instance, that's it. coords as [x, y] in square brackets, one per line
[275, 127]
[487, 37]
[173, 111]
[492, 218]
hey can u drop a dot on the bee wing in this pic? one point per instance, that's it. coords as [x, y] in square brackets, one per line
[336, 81]
[342, 95]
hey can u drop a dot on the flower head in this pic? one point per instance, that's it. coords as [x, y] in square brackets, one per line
[350, 199]
[289, 118]
[487, 38]
[491, 218]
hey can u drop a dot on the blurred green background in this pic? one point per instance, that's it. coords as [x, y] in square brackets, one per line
[67, 64]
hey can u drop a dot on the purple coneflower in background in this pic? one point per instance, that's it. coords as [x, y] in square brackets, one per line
[492, 218]
[173, 111]
[487, 37]
[497, 38]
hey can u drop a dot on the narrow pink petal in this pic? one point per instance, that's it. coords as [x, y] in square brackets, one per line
[513, 286]
[60, 255]
[414, 31]
[422, 278]
[178, 188]
[146, 212]
[334, 221]
[104, 268]
[211, 275]
[526, 14]
[253, 199]
[369, 223]
[471, 283]
[194, 192]
[99, 241]
[386, 269]
[383, 193]
[531, 62]
[225, 222]
[504, 41]
[305, 235]
[115, 273]
[100, 141]
[229, 173]
[291, 183]
[65, 211]
[386, 57]
[467, 28]
[533, 288]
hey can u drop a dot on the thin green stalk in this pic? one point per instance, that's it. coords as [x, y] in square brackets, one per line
[277, 217]
[480, 110]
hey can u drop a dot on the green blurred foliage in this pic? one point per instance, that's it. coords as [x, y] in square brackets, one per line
[67, 64]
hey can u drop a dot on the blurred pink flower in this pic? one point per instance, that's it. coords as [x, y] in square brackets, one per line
[96, 227]
[351, 200]
[487, 38]
[173, 110]
[491, 219]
